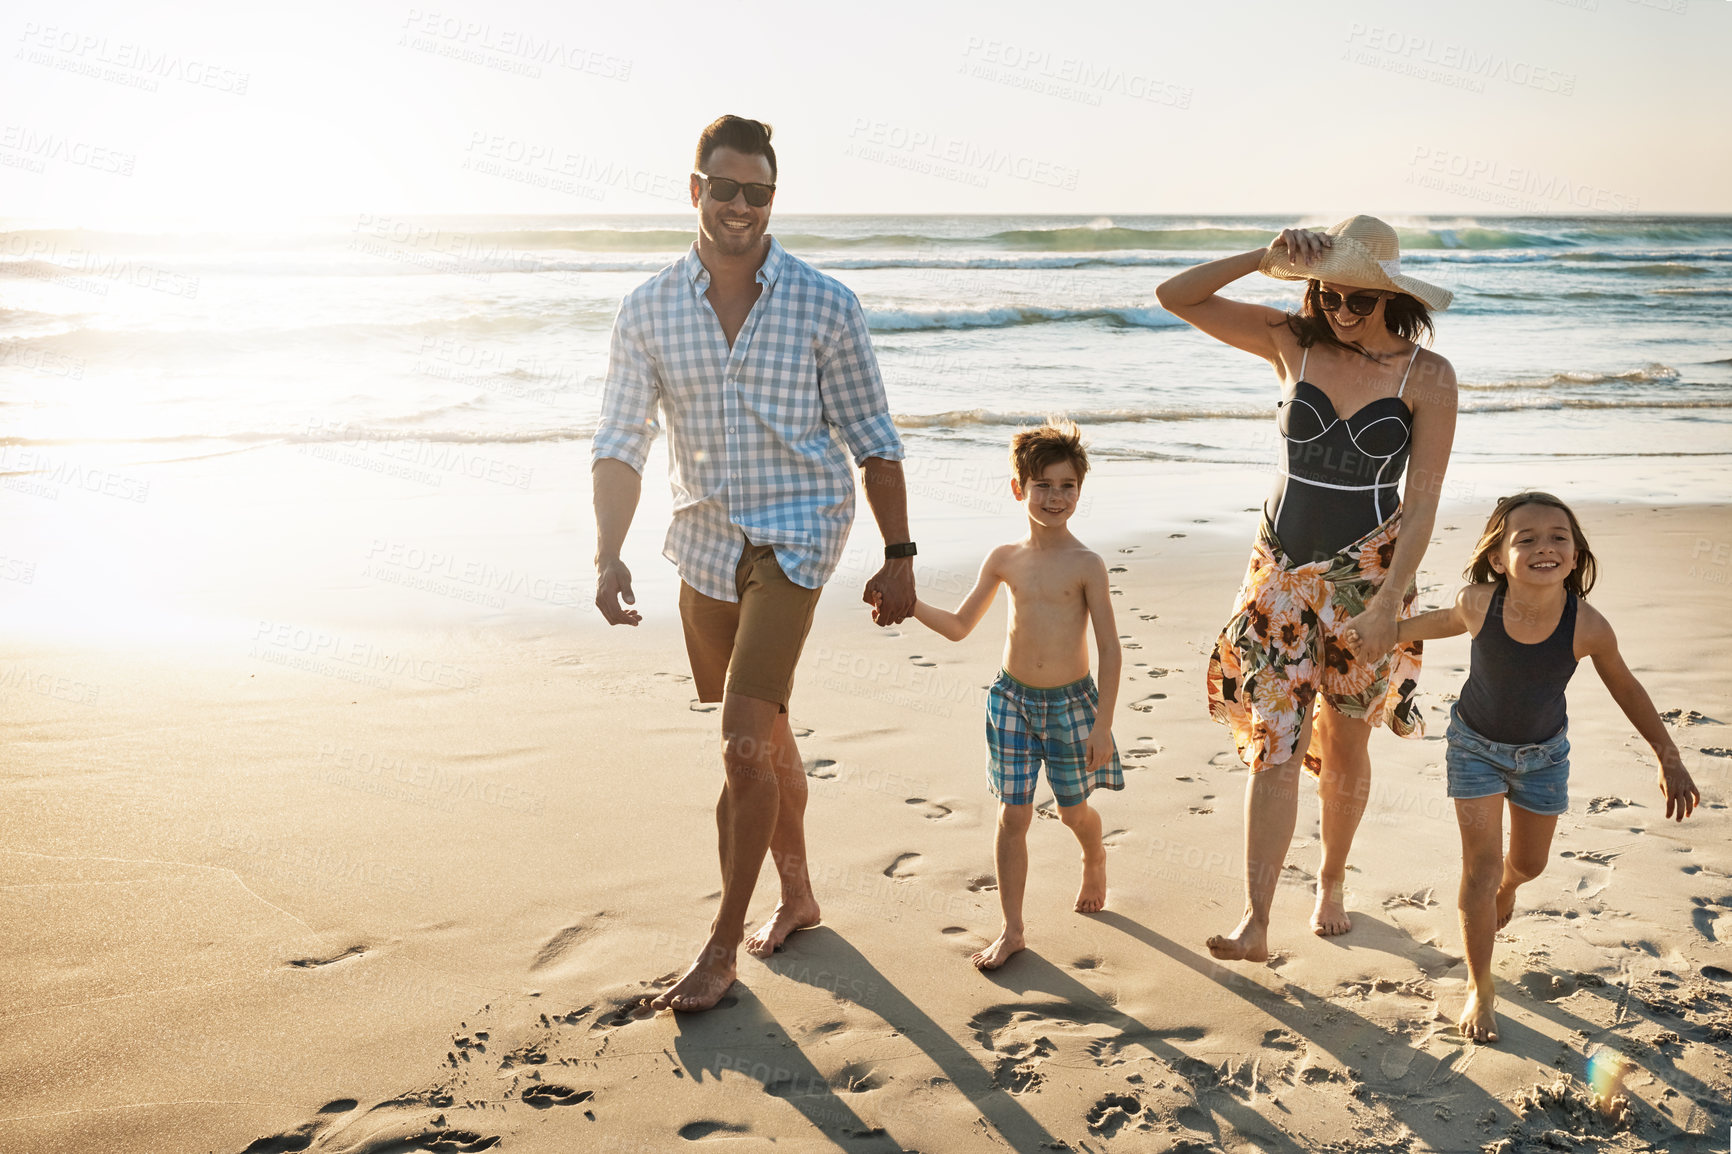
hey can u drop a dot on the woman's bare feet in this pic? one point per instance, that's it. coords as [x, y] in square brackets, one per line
[1477, 1022]
[702, 986]
[1092, 897]
[1248, 943]
[999, 952]
[789, 916]
[1330, 916]
[1505, 906]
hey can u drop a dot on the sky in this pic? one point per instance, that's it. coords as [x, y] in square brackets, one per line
[226, 115]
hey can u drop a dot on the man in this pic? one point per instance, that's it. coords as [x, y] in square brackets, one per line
[762, 370]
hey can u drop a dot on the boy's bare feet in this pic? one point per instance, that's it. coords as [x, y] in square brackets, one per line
[998, 952]
[1505, 906]
[1477, 1022]
[1248, 943]
[702, 986]
[799, 915]
[1092, 897]
[1330, 916]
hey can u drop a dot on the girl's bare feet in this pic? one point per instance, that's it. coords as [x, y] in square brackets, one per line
[1330, 916]
[1248, 943]
[1477, 1022]
[1505, 905]
[999, 952]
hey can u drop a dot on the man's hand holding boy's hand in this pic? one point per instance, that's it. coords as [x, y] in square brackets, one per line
[1100, 746]
[1682, 796]
[891, 592]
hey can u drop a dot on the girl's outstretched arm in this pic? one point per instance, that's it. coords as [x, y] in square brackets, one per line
[955, 626]
[1594, 638]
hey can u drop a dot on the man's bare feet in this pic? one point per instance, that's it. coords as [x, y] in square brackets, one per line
[1330, 916]
[1505, 906]
[1092, 897]
[1248, 943]
[799, 915]
[998, 952]
[1477, 1022]
[702, 986]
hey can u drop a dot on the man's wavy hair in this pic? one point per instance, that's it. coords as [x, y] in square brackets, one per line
[751, 137]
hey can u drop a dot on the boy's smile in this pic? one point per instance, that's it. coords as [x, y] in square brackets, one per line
[1051, 497]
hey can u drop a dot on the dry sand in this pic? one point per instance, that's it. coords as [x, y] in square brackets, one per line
[386, 892]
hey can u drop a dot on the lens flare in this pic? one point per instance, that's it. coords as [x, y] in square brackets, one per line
[1606, 1070]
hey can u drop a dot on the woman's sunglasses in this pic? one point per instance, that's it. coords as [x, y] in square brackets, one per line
[723, 190]
[1359, 304]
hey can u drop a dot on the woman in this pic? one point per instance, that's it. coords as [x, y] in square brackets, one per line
[1340, 541]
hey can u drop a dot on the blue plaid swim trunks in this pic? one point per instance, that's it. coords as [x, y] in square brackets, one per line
[1027, 725]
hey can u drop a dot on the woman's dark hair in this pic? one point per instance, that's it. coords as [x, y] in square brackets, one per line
[1405, 316]
[1479, 571]
[751, 137]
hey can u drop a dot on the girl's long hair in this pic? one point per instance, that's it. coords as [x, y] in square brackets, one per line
[1479, 571]
[1405, 316]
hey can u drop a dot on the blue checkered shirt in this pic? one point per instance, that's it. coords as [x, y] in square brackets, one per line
[755, 433]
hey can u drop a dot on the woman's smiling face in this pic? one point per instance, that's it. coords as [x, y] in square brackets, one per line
[1347, 326]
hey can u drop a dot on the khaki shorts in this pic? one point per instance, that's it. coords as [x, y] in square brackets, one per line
[753, 643]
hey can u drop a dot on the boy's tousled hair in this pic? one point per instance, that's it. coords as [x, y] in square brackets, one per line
[751, 137]
[1033, 449]
[1479, 571]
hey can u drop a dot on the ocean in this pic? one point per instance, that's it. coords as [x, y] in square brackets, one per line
[1593, 354]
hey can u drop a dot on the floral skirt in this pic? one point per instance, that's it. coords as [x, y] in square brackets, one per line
[1283, 648]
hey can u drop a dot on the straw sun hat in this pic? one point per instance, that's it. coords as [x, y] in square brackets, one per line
[1366, 254]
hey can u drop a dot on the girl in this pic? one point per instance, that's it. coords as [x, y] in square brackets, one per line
[1508, 733]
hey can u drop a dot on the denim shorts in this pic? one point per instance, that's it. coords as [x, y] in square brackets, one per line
[1536, 777]
[1027, 726]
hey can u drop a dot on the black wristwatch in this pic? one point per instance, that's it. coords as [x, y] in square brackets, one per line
[906, 549]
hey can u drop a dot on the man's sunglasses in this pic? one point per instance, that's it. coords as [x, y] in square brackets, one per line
[1359, 304]
[722, 190]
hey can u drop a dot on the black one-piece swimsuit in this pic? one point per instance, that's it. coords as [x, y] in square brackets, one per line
[1339, 479]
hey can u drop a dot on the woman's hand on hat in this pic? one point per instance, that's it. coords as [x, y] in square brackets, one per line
[1303, 245]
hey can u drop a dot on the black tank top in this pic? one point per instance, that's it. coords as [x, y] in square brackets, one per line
[1515, 692]
[1339, 479]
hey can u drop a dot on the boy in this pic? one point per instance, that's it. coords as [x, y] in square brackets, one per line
[1044, 705]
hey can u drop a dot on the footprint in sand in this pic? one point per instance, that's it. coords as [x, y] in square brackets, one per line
[1149, 616]
[1418, 899]
[802, 731]
[1704, 918]
[922, 662]
[1602, 804]
[822, 768]
[545, 1097]
[1118, 569]
[1148, 703]
[903, 867]
[983, 884]
[932, 811]
[1688, 717]
[315, 963]
[556, 947]
[1175, 534]
[697, 706]
[1111, 840]
[707, 1128]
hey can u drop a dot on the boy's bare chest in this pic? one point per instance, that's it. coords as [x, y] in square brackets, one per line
[1049, 586]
